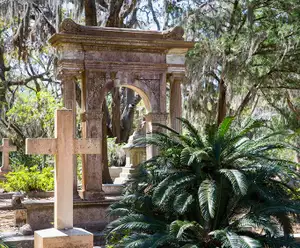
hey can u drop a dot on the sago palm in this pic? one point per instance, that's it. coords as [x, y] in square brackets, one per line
[224, 189]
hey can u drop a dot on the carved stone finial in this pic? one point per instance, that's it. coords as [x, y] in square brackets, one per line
[69, 26]
[174, 34]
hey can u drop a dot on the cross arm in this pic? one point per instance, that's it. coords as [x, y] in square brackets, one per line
[87, 146]
[41, 146]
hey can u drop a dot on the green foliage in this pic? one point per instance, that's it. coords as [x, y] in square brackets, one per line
[253, 46]
[2, 245]
[34, 113]
[225, 188]
[26, 179]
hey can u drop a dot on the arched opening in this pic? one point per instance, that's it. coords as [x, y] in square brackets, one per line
[134, 104]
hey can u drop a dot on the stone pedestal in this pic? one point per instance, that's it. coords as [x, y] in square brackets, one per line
[135, 154]
[54, 238]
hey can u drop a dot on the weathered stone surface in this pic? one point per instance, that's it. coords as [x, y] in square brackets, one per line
[20, 217]
[26, 230]
[175, 100]
[5, 148]
[71, 238]
[16, 200]
[139, 60]
[19, 241]
[114, 172]
[113, 189]
[64, 146]
[135, 154]
[40, 214]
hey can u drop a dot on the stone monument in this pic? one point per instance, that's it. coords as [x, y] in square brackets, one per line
[64, 146]
[100, 58]
[5, 148]
[135, 154]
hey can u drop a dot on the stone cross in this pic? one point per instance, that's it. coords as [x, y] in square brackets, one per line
[64, 146]
[5, 148]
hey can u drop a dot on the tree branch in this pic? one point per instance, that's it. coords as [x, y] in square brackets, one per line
[153, 14]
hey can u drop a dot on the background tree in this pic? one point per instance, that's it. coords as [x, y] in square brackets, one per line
[26, 26]
[246, 50]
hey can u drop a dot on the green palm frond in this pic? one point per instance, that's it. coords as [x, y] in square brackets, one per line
[193, 133]
[253, 222]
[184, 230]
[207, 194]
[233, 240]
[215, 191]
[224, 127]
[173, 131]
[183, 202]
[137, 223]
[190, 246]
[147, 241]
[171, 185]
[237, 179]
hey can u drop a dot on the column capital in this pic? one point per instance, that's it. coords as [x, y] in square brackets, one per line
[176, 77]
[67, 76]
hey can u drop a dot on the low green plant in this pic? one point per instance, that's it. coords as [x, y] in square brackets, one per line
[26, 179]
[2, 245]
[222, 189]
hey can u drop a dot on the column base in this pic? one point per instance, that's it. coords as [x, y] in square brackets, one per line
[53, 238]
[91, 195]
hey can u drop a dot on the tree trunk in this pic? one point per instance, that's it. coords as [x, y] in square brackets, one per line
[90, 12]
[222, 101]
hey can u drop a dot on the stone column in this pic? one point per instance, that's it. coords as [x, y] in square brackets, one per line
[161, 118]
[93, 94]
[175, 101]
[69, 100]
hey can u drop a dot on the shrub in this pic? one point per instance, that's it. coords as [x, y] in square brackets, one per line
[221, 189]
[29, 179]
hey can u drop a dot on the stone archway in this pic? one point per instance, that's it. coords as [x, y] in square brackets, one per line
[103, 58]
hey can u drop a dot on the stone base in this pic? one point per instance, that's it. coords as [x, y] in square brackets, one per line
[125, 175]
[113, 189]
[53, 238]
[91, 195]
[90, 215]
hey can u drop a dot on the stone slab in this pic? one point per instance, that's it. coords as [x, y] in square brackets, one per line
[6, 195]
[17, 241]
[113, 189]
[70, 238]
[90, 215]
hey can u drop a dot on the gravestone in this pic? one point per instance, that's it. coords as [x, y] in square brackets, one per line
[5, 148]
[64, 146]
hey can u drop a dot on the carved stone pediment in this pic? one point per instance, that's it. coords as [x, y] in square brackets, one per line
[71, 27]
